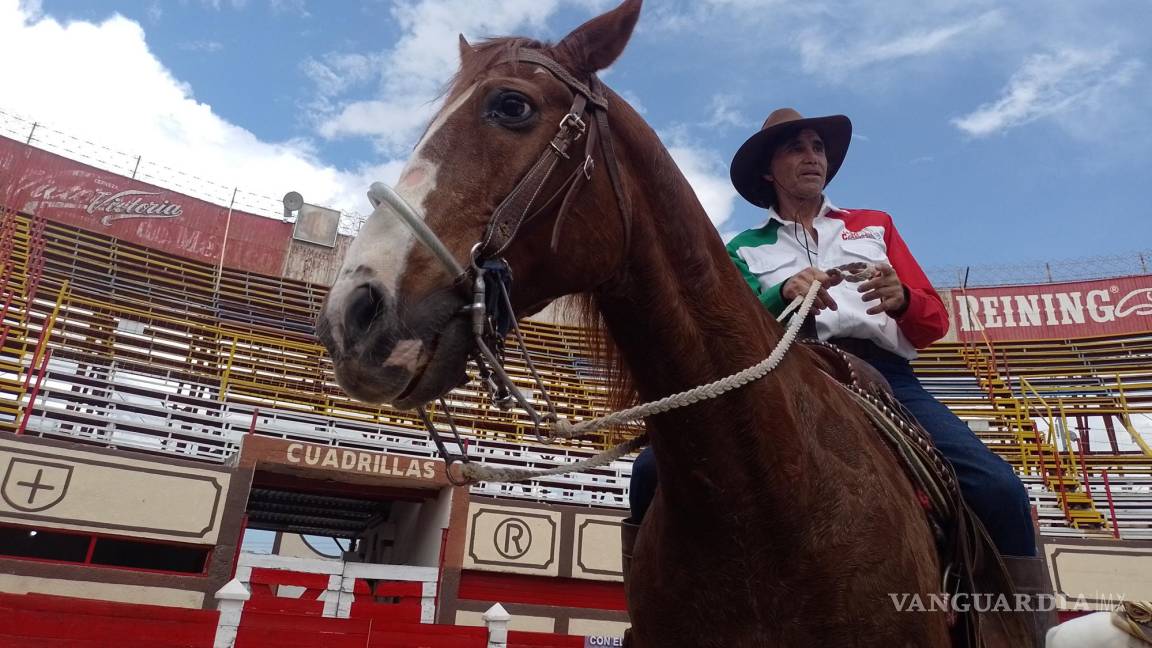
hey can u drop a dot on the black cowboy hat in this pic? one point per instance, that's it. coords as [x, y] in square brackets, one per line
[751, 162]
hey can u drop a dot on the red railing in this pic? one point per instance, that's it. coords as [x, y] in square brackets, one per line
[39, 621]
[35, 391]
[1111, 505]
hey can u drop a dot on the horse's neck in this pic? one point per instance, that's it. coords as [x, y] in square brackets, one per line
[681, 317]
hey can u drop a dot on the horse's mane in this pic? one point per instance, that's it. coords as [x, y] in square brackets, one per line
[585, 310]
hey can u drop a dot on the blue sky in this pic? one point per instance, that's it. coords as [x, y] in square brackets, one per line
[993, 131]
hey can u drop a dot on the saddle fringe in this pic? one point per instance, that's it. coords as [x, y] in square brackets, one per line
[967, 553]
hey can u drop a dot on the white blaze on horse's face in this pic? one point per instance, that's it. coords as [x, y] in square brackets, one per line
[395, 323]
[360, 315]
[382, 246]
[384, 241]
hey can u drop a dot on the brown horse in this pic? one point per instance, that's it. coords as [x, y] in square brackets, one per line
[781, 518]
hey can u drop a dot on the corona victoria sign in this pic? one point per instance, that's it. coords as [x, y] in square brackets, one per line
[1054, 311]
[59, 189]
[109, 206]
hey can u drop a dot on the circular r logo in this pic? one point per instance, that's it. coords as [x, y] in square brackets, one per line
[513, 538]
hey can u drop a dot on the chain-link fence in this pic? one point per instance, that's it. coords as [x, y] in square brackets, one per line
[1040, 272]
[103, 157]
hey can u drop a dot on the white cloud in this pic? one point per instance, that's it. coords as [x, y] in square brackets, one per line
[707, 173]
[336, 72]
[633, 100]
[168, 127]
[412, 74]
[207, 46]
[298, 7]
[217, 4]
[831, 54]
[1049, 85]
[725, 113]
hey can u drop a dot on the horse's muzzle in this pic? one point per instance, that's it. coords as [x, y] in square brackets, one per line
[400, 352]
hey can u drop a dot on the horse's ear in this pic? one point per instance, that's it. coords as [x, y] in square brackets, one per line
[597, 43]
[465, 47]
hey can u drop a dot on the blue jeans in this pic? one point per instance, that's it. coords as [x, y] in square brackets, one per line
[988, 483]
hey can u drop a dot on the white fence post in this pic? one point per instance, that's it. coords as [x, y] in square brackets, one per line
[496, 619]
[230, 602]
[347, 596]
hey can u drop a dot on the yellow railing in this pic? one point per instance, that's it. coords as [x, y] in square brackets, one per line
[1126, 419]
[1056, 418]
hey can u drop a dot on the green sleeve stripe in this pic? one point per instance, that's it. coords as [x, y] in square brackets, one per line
[770, 297]
[773, 299]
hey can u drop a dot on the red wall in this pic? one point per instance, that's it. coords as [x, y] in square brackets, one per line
[539, 590]
[63, 190]
[38, 621]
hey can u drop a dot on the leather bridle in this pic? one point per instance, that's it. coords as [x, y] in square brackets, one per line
[517, 207]
[489, 277]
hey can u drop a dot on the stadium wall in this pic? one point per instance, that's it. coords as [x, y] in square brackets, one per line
[116, 526]
[33, 181]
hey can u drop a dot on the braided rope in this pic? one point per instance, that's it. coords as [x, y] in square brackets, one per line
[565, 429]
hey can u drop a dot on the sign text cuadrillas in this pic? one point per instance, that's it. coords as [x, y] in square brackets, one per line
[361, 462]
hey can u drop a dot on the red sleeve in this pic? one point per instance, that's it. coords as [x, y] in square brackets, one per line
[925, 320]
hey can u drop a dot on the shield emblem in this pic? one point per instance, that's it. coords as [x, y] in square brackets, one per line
[32, 486]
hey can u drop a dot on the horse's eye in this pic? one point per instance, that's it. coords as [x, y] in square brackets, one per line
[510, 108]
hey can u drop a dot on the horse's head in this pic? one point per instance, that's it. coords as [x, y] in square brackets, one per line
[396, 321]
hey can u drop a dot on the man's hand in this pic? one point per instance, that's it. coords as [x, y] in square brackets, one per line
[798, 284]
[885, 286]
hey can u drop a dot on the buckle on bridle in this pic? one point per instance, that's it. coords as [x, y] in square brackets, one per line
[572, 120]
[565, 136]
[588, 166]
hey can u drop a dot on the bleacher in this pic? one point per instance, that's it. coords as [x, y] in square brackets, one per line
[114, 344]
[1047, 407]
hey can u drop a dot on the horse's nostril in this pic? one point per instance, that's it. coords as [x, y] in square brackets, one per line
[366, 303]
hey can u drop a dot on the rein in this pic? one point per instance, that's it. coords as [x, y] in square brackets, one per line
[492, 318]
[484, 324]
[490, 279]
[489, 275]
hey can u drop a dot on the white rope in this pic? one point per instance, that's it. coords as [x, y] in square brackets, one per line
[565, 429]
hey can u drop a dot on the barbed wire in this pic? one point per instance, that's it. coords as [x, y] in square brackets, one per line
[42, 136]
[35, 133]
[1137, 262]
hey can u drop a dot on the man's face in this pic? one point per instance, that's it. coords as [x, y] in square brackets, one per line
[799, 166]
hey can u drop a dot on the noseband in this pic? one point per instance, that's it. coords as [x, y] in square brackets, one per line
[489, 277]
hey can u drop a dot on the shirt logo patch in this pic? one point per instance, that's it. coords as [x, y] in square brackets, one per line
[874, 233]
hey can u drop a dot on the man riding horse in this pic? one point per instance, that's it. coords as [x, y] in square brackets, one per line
[778, 500]
[784, 169]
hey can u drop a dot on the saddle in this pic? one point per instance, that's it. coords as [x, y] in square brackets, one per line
[968, 558]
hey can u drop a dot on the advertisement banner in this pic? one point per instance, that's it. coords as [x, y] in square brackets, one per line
[1117, 306]
[66, 191]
